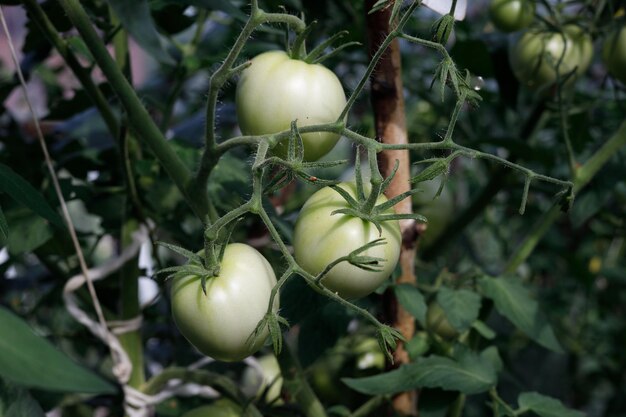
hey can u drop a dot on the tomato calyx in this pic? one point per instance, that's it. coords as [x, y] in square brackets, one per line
[364, 206]
[297, 50]
[294, 166]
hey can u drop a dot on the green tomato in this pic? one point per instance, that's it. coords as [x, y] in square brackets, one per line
[320, 238]
[536, 54]
[437, 322]
[438, 211]
[512, 15]
[220, 408]
[219, 324]
[275, 90]
[256, 383]
[614, 54]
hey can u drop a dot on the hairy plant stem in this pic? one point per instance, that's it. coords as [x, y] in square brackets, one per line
[211, 154]
[45, 25]
[584, 175]
[296, 384]
[138, 117]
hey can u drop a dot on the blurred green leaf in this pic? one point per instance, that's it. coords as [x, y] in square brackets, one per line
[461, 306]
[545, 406]
[30, 360]
[21, 191]
[412, 300]
[4, 228]
[469, 374]
[17, 402]
[33, 232]
[136, 19]
[514, 302]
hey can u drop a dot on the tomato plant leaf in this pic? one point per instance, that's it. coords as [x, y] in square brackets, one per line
[469, 374]
[514, 302]
[34, 232]
[136, 19]
[21, 191]
[412, 300]
[17, 402]
[461, 306]
[545, 406]
[32, 361]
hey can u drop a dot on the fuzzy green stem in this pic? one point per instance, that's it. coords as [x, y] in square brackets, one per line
[138, 117]
[296, 384]
[585, 175]
[45, 25]
[211, 154]
[374, 61]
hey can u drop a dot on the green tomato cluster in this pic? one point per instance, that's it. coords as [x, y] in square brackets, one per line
[539, 57]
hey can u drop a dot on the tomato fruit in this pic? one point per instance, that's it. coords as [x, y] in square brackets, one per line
[256, 383]
[512, 15]
[614, 54]
[536, 54]
[220, 408]
[437, 322]
[219, 324]
[438, 211]
[275, 90]
[320, 238]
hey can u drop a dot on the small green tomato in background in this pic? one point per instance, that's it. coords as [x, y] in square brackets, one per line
[437, 322]
[512, 15]
[220, 408]
[275, 90]
[614, 54]
[255, 383]
[537, 54]
[438, 211]
[220, 322]
[320, 238]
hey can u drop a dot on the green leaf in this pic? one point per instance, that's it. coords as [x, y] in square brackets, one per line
[17, 402]
[545, 406]
[31, 361]
[492, 355]
[412, 300]
[21, 191]
[469, 374]
[136, 19]
[461, 307]
[514, 302]
[4, 228]
[33, 232]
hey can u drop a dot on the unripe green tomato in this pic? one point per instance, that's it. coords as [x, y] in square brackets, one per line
[512, 15]
[438, 211]
[270, 374]
[369, 355]
[275, 90]
[614, 54]
[220, 408]
[320, 238]
[437, 322]
[535, 55]
[220, 323]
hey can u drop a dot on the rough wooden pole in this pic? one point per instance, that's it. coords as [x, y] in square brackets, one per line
[388, 104]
